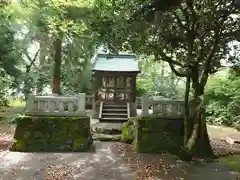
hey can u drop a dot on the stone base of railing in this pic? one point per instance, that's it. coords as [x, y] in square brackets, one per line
[95, 116]
[82, 113]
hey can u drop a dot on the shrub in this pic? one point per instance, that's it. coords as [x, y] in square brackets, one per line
[14, 119]
[223, 101]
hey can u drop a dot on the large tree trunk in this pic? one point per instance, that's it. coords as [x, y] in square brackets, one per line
[186, 108]
[57, 66]
[26, 82]
[42, 60]
[198, 144]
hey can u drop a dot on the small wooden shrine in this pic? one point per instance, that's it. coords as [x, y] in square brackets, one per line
[114, 84]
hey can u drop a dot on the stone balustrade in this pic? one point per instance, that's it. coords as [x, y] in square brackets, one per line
[170, 109]
[55, 105]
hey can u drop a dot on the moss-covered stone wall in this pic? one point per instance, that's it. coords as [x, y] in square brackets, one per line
[51, 134]
[154, 135]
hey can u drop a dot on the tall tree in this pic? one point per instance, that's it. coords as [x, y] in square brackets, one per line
[56, 22]
[192, 37]
[8, 49]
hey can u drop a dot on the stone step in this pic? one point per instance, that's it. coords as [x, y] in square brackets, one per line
[107, 128]
[115, 105]
[113, 120]
[114, 110]
[106, 137]
[114, 114]
[116, 118]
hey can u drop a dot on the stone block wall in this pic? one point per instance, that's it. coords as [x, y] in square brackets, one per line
[52, 134]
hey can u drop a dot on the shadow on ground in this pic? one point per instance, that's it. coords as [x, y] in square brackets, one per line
[102, 165]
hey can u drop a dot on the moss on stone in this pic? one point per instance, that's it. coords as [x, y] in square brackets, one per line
[154, 135]
[129, 130]
[47, 134]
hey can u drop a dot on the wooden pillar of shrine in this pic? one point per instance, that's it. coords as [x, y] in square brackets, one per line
[133, 106]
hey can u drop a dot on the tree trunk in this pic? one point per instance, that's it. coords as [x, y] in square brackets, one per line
[162, 72]
[42, 61]
[198, 144]
[26, 82]
[186, 108]
[57, 66]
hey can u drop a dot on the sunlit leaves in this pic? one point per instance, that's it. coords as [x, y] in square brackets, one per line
[223, 97]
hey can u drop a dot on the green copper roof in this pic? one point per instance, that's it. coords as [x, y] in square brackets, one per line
[120, 63]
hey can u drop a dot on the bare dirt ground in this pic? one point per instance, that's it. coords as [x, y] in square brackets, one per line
[224, 133]
[100, 165]
[111, 161]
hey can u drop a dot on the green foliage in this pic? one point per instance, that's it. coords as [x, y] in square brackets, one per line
[28, 27]
[8, 50]
[47, 134]
[157, 79]
[9, 53]
[223, 99]
[231, 161]
[14, 119]
[3, 99]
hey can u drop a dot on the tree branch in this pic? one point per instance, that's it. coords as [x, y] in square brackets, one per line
[169, 59]
[200, 53]
[186, 15]
[190, 7]
[31, 60]
[172, 63]
[179, 21]
[204, 74]
[231, 36]
[35, 57]
[176, 72]
[28, 57]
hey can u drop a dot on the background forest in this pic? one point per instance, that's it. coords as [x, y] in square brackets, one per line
[47, 42]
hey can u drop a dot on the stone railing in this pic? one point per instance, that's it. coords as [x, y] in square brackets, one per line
[170, 109]
[55, 105]
[89, 100]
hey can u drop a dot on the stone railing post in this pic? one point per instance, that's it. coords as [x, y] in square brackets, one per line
[81, 102]
[30, 103]
[94, 108]
[145, 106]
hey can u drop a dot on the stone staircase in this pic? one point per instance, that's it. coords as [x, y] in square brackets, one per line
[111, 120]
[114, 113]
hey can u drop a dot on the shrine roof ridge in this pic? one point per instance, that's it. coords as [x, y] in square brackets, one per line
[116, 63]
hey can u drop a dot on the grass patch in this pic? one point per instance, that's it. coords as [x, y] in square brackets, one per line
[15, 107]
[17, 104]
[232, 161]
